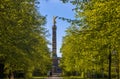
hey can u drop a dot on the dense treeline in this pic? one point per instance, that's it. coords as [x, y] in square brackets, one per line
[92, 46]
[23, 46]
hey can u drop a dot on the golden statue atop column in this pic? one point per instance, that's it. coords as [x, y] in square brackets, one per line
[54, 20]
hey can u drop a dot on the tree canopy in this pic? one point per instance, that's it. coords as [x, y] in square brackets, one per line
[23, 45]
[88, 45]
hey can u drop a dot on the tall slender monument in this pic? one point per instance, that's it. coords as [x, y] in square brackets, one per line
[54, 49]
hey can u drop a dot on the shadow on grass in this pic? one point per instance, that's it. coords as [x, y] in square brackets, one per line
[62, 78]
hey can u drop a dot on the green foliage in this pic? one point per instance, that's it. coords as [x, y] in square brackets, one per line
[22, 36]
[87, 47]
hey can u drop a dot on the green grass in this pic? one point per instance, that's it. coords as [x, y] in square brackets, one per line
[82, 78]
[78, 77]
[34, 78]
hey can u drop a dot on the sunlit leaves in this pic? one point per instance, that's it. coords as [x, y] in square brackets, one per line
[98, 35]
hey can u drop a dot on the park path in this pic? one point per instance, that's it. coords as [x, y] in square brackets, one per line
[54, 78]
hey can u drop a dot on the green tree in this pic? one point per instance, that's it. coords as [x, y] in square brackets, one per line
[96, 38]
[22, 37]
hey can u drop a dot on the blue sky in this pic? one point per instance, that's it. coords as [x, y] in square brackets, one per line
[56, 8]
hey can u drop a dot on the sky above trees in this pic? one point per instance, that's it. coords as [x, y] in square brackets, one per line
[52, 8]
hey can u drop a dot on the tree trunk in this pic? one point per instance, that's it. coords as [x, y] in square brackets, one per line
[11, 75]
[110, 59]
[118, 68]
[1, 70]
